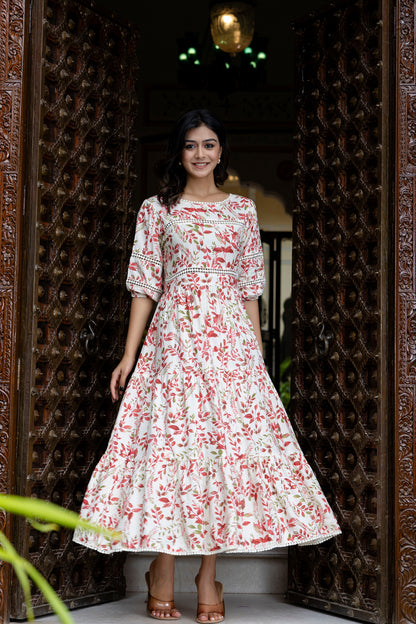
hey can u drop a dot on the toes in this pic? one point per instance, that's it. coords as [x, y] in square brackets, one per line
[166, 614]
[210, 617]
[215, 616]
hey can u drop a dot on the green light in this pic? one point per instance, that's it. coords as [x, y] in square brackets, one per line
[261, 56]
[196, 62]
[191, 51]
[248, 50]
[227, 65]
[216, 47]
[253, 64]
[183, 57]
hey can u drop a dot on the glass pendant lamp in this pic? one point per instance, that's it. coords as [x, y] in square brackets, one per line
[232, 25]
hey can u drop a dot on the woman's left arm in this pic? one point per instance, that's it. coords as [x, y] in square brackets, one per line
[252, 309]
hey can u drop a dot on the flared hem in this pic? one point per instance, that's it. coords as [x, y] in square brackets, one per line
[307, 541]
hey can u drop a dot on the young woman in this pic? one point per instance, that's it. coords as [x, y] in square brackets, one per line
[202, 458]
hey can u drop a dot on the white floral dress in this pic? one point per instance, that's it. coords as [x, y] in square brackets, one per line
[202, 458]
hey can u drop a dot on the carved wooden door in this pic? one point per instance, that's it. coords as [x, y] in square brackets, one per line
[79, 220]
[340, 404]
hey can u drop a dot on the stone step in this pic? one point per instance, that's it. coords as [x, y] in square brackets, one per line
[239, 609]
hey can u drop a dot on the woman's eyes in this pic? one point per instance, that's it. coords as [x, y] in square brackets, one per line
[190, 146]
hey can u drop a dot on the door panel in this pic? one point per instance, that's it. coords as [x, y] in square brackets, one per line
[340, 390]
[80, 221]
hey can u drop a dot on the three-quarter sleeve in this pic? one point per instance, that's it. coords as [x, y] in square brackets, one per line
[251, 278]
[145, 273]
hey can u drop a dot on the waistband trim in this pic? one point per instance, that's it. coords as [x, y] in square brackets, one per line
[206, 270]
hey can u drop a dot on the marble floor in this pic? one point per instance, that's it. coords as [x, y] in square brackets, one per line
[240, 608]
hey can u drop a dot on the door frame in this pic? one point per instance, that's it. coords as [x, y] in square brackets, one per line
[13, 37]
[405, 315]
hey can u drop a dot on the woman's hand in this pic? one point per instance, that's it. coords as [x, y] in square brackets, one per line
[141, 308]
[119, 376]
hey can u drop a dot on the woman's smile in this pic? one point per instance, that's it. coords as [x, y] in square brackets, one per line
[201, 152]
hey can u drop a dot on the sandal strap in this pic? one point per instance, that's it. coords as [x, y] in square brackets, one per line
[155, 604]
[211, 608]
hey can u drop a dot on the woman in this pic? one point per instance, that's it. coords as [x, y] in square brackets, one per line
[202, 458]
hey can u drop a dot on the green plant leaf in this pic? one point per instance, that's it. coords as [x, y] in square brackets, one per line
[43, 527]
[44, 516]
[21, 575]
[45, 511]
[51, 596]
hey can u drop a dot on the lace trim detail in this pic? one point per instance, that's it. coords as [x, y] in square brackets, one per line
[151, 259]
[172, 222]
[259, 280]
[134, 285]
[258, 254]
[201, 270]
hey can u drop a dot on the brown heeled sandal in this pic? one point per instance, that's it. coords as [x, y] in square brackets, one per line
[154, 604]
[206, 609]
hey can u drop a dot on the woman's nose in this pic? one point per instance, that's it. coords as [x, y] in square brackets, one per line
[199, 151]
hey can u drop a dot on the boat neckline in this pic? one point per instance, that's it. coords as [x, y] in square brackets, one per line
[194, 201]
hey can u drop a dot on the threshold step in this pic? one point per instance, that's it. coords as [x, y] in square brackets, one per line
[239, 609]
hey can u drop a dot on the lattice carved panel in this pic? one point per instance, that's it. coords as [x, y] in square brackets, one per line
[339, 384]
[85, 219]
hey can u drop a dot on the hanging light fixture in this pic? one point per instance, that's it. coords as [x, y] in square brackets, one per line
[232, 25]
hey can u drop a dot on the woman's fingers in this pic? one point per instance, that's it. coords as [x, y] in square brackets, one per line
[121, 384]
[122, 381]
[114, 384]
[119, 378]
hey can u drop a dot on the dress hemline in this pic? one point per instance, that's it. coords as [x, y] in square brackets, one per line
[309, 541]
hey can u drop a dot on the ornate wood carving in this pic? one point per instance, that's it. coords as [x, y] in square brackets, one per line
[405, 465]
[79, 227]
[339, 404]
[11, 125]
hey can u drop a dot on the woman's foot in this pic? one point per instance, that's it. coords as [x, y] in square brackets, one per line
[210, 602]
[160, 585]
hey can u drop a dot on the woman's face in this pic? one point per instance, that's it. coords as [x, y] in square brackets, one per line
[201, 152]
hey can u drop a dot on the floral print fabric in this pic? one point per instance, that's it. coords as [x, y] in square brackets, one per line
[202, 458]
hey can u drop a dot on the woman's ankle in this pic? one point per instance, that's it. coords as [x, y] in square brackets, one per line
[205, 578]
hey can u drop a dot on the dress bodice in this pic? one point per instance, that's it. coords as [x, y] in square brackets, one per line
[197, 243]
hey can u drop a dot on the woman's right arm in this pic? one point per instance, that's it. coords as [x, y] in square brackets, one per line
[141, 308]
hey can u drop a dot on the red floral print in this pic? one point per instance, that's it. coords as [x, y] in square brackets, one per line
[202, 458]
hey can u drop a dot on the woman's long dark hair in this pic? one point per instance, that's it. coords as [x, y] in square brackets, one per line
[171, 173]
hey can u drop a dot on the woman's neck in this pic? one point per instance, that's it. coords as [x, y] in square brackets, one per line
[203, 190]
